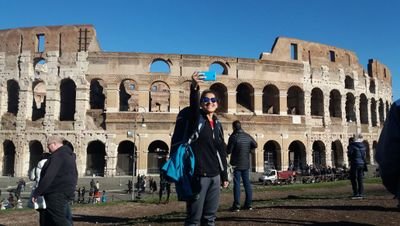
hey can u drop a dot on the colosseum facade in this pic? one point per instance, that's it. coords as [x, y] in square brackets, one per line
[301, 102]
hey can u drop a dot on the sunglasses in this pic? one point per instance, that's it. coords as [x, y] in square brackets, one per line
[208, 100]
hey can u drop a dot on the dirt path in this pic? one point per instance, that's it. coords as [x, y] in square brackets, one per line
[280, 206]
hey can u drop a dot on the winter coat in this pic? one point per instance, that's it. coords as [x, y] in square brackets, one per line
[240, 145]
[356, 153]
[388, 150]
[59, 173]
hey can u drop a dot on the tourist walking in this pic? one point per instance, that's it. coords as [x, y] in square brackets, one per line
[57, 183]
[240, 146]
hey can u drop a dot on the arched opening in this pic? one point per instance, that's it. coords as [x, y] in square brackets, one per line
[97, 97]
[295, 101]
[219, 68]
[381, 110]
[35, 153]
[337, 154]
[67, 100]
[158, 150]
[96, 158]
[350, 109]
[13, 97]
[297, 156]
[39, 100]
[159, 97]
[272, 155]
[128, 96]
[317, 102]
[8, 158]
[40, 67]
[245, 98]
[372, 86]
[374, 120]
[184, 94]
[127, 154]
[160, 66]
[367, 152]
[222, 95]
[270, 100]
[318, 154]
[67, 143]
[348, 82]
[335, 104]
[363, 109]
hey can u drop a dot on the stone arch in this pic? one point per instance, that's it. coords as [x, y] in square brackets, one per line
[270, 100]
[184, 94]
[367, 152]
[297, 155]
[97, 97]
[363, 109]
[39, 100]
[96, 158]
[348, 82]
[381, 110]
[337, 154]
[40, 67]
[158, 150]
[317, 102]
[8, 158]
[372, 86]
[245, 98]
[69, 144]
[126, 156]
[13, 96]
[67, 99]
[160, 65]
[219, 68]
[128, 95]
[272, 155]
[295, 101]
[222, 95]
[374, 120]
[350, 108]
[374, 145]
[335, 104]
[159, 97]
[35, 153]
[319, 154]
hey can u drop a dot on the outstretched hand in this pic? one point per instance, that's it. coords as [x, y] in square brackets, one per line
[196, 79]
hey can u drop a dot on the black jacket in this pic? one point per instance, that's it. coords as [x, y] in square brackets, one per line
[356, 153]
[59, 174]
[240, 145]
[209, 142]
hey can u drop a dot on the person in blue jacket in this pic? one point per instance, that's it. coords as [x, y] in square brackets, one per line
[356, 155]
[388, 151]
[210, 172]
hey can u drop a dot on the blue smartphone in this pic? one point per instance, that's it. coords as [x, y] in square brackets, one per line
[208, 75]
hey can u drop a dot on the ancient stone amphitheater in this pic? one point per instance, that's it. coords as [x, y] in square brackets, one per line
[301, 102]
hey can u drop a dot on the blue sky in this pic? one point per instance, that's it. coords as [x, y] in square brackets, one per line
[234, 28]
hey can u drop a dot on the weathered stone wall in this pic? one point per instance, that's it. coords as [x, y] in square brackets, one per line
[72, 52]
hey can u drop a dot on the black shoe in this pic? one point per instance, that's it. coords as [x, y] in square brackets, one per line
[234, 209]
[248, 208]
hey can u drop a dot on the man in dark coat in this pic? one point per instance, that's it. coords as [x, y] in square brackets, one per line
[356, 155]
[388, 151]
[240, 145]
[58, 180]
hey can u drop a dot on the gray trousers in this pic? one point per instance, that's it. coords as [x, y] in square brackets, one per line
[203, 210]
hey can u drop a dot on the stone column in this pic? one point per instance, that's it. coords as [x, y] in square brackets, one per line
[232, 102]
[283, 108]
[258, 102]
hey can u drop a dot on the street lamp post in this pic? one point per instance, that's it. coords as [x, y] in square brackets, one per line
[135, 149]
